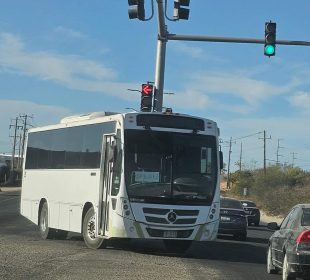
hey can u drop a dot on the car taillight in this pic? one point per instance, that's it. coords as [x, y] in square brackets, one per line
[304, 237]
[303, 242]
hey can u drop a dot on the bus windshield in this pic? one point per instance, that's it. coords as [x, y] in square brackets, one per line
[169, 167]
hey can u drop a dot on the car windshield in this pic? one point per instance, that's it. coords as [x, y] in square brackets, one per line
[248, 203]
[162, 166]
[231, 203]
[305, 221]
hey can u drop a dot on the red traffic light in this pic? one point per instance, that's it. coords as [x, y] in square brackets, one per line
[147, 89]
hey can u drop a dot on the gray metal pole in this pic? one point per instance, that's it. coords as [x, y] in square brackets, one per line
[175, 37]
[160, 58]
[228, 170]
[14, 145]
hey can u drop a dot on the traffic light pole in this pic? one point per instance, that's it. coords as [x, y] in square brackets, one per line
[160, 58]
[164, 36]
[175, 37]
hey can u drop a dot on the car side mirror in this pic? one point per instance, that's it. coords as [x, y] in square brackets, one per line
[273, 226]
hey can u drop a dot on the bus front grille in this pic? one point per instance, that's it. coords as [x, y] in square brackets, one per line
[170, 216]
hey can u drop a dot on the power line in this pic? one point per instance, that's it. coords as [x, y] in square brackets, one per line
[250, 135]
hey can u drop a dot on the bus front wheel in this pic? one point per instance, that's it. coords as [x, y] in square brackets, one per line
[89, 231]
[45, 231]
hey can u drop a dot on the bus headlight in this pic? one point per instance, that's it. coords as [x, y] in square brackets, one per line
[125, 208]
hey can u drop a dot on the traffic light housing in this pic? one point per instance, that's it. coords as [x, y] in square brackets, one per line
[136, 9]
[146, 97]
[270, 38]
[179, 11]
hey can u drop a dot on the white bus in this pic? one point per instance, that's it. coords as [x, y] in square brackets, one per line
[133, 175]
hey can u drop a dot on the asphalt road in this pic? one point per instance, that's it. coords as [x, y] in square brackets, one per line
[23, 255]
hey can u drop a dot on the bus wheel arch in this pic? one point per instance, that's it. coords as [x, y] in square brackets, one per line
[45, 231]
[87, 206]
[88, 229]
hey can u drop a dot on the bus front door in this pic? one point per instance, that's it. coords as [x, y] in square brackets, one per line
[106, 180]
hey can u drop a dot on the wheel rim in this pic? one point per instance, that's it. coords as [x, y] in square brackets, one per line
[285, 269]
[43, 221]
[91, 228]
[269, 263]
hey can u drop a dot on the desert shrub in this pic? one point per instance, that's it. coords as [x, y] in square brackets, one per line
[277, 191]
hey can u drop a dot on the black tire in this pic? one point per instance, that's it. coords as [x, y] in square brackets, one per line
[177, 246]
[89, 231]
[45, 231]
[271, 269]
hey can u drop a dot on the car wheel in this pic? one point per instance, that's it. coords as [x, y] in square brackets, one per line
[89, 231]
[177, 246]
[286, 274]
[45, 231]
[271, 269]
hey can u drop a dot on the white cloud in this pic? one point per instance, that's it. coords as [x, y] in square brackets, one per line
[42, 115]
[301, 100]
[71, 71]
[70, 33]
[251, 90]
[193, 52]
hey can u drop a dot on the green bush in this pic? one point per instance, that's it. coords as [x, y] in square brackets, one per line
[277, 191]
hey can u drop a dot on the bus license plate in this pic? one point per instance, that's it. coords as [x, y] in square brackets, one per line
[170, 234]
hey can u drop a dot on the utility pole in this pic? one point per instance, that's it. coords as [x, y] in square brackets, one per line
[16, 127]
[228, 168]
[240, 160]
[278, 148]
[293, 158]
[264, 138]
[25, 129]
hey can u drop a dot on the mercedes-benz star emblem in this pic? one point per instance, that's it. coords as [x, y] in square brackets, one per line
[172, 216]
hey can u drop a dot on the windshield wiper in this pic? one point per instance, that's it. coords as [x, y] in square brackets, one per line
[189, 197]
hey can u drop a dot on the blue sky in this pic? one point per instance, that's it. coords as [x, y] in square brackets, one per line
[60, 58]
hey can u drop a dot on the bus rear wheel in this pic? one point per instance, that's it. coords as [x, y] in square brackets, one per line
[89, 231]
[45, 231]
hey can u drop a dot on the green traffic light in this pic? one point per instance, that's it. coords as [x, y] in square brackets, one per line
[269, 50]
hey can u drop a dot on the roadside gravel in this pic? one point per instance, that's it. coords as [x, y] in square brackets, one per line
[265, 219]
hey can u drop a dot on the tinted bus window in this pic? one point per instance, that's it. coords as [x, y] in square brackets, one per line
[74, 147]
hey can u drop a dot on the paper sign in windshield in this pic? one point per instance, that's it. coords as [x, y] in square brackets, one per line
[146, 177]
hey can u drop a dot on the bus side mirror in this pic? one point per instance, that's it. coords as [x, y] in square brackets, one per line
[112, 153]
[221, 160]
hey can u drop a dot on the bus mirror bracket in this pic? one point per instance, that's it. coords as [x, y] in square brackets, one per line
[112, 152]
[221, 160]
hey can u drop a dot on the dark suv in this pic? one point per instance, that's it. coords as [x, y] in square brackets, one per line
[232, 218]
[251, 211]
